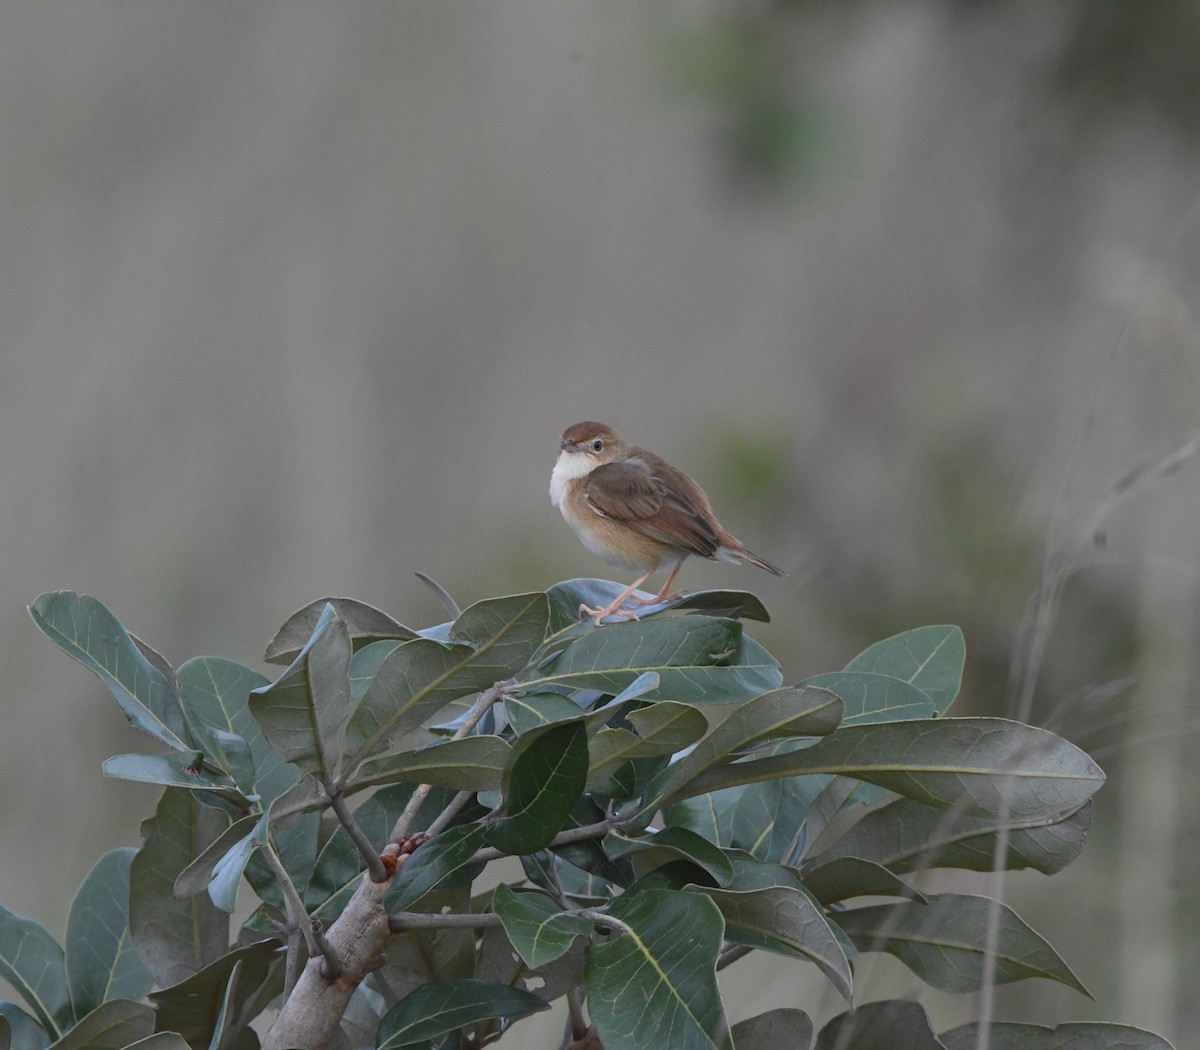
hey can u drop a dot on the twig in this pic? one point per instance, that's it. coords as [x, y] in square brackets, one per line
[486, 699]
[292, 965]
[453, 920]
[577, 1021]
[375, 867]
[297, 914]
[453, 808]
[563, 838]
[331, 965]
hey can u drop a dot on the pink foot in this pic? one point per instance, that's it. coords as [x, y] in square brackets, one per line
[598, 615]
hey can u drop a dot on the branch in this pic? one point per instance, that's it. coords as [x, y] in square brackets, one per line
[486, 699]
[401, 921]
[297, 913]
[311, 1014]
[375, 867]
[563, 838]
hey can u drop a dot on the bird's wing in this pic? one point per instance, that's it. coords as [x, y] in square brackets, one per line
[659, 501]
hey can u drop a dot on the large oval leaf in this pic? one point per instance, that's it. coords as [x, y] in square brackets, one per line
[989, 766]
[699, 659]
[217, 692]
[302, 712]
[101, 960]
[443, 1006]
[655, 985]
[897, 1024]
[1078, 1036]
[943, 940]
[807, 711]
[365, 624]
[175, 938]
[86, 631]
[930, 658]
[539, 929]
[910, 836]
[472, 763]
[33, 963]
[489, 642]
[545, 782]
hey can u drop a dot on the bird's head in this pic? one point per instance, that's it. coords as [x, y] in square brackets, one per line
[594, 443]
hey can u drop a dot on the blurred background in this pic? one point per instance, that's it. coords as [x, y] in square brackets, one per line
[296, 299]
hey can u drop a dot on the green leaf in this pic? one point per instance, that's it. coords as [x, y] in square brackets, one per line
[662, 729]
[181, 769]
[930, 658]
[545, 782]
[990, 765]
[198, 874]
[566, 597]
[365, 625]
[910, 836]
[897, 1024]
[784, 920]
[221, 1021]
[840, 880]
[655, 984]
[539, 929]
[365, 664]
[227, 872]
[474, 763]
[217, 693]
[33, 963]
[190, 1006]
[532, 710]
[101, 960]
[783, 1027]
[24, 1033]
[175, 938]
[86, 631]
[445, 1006]
[302, 713]
[767, 906]
[160, 1041]
[787, 712]
[491, 641]
[943, 941]
[1077, 1036]
[113, 1025]
[435, 865]
[698, 659]
[768, 818]
[660, 847]
[710, 816]
[869, 698]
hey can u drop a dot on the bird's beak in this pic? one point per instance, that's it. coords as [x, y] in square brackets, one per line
[568, 446]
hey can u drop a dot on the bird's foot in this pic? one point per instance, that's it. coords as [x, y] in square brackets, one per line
[598, 615]
[658, 599]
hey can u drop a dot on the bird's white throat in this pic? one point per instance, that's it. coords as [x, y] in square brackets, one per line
[571, 466]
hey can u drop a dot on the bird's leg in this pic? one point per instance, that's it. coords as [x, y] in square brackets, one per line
[666, 594]
[614, 607]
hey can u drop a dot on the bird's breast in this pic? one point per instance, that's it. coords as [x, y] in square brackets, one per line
[570, 466]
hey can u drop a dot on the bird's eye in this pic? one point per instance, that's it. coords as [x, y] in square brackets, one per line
[597, 445]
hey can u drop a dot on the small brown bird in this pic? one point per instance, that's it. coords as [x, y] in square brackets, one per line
[636, 511]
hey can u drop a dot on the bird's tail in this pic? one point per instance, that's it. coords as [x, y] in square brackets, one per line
[739, 553]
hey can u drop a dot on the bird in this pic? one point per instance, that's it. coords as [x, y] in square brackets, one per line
[638, 512]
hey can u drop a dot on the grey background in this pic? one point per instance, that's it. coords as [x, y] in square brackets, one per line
[295, 299]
